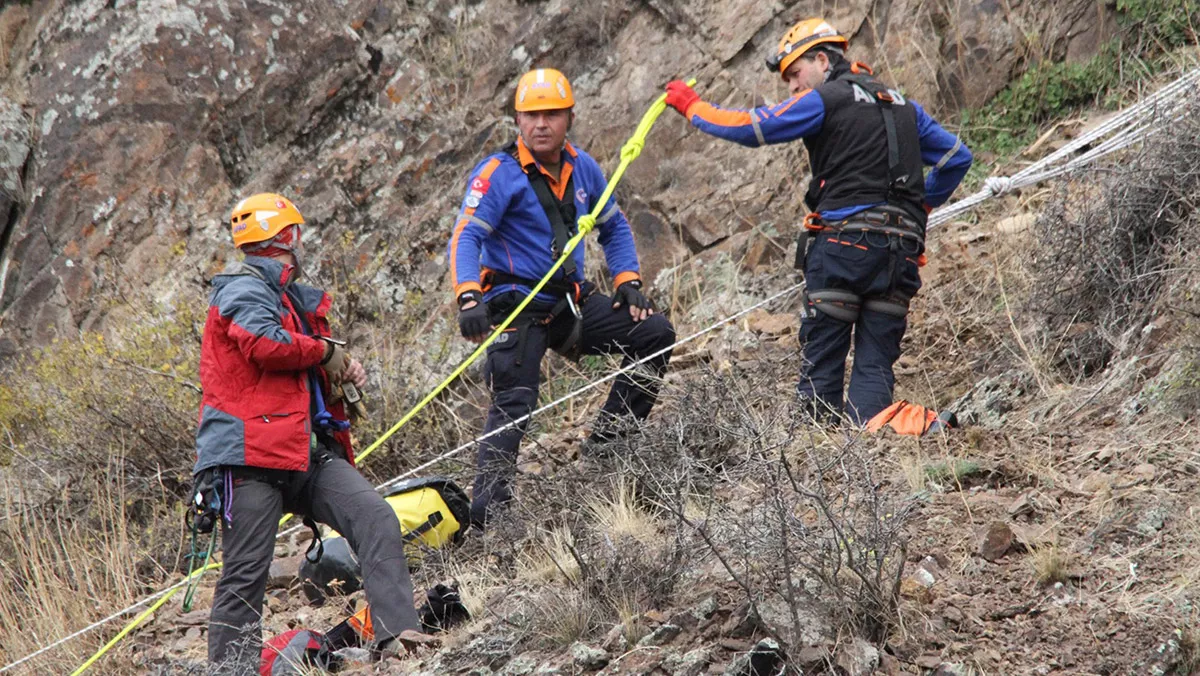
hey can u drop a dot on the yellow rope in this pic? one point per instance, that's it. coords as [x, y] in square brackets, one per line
[136, 621]
[629, 153]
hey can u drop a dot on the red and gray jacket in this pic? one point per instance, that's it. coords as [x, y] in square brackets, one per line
[254, 369]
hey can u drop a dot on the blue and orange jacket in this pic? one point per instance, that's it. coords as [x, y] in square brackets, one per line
[254, 370]
[803, 116]
[502, 226]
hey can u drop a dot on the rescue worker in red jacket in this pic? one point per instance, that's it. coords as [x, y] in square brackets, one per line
[271, 439]
[520, 209]
[867, 146]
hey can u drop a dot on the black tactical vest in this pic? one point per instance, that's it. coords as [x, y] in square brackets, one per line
[852, 161]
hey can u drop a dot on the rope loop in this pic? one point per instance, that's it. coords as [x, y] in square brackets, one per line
[631, 150]
[998, 185]
[586, 223]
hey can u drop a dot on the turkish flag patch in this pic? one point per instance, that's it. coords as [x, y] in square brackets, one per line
[481, 184]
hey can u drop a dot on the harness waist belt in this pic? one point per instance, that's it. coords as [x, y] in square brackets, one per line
[562, 288]
[881, 220]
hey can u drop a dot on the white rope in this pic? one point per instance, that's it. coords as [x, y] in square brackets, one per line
[1125, 128]
[440, 458]
[98, 623]
[592, 385]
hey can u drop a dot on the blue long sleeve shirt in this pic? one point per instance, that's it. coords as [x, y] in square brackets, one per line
[502, 226]
[803, 115]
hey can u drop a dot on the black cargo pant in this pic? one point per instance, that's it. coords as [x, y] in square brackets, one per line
[331, 492]
[863, 264]
[513, 369]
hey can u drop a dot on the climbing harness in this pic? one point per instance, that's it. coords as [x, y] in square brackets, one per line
[564, 315]
[559, 211]
[897, 180]
[563, 319]
[883, 227]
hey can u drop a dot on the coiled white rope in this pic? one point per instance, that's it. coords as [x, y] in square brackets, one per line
[1124, 129]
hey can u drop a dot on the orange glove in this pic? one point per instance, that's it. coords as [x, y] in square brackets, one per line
[680, 96]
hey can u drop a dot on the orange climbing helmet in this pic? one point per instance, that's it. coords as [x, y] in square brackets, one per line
[543, 89]
[801, 38]
[259, 218]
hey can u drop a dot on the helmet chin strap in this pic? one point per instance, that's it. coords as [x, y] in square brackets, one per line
[273, 248]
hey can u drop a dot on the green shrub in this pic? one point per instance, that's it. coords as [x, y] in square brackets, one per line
[1160, 23]
[1047, 90]
[80, 411]
[1050, 89]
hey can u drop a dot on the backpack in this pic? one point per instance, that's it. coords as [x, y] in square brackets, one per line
[433, 511]
[297, 653]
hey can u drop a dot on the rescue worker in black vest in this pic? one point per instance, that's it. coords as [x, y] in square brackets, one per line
[865, 239]
[520, 209]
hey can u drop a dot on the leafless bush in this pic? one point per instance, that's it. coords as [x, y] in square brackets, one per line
[1109, 242]
[604, 559]
[724, 476]
[796, 515]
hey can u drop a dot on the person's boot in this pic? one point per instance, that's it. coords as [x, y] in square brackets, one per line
[817, 412]
[608, 433]
[407, 643]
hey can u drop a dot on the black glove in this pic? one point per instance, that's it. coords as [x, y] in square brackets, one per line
[204, 507]
[473, 322]
[443, 609]
[630, 293]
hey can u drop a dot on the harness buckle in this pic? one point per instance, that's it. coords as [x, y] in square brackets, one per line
[813, 223]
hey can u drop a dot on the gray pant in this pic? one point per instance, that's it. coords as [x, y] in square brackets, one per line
[332, 492]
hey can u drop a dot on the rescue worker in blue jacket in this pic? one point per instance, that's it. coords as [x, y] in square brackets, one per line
[868, 147]
[520, 209]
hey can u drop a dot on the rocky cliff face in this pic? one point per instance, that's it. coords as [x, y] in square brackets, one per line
[128, 128]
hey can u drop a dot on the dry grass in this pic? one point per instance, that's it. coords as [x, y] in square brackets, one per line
[551, 557]
[619, 516]
[1050, 564]
[912, 466]
[477, 583]
[559, 618]
[98, 437]
[61, 572]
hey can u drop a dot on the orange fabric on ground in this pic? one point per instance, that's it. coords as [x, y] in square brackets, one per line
[904, 418]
